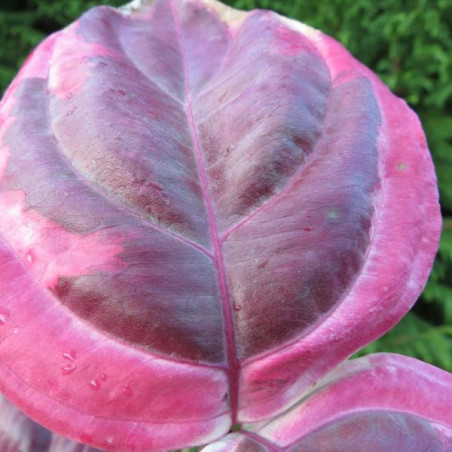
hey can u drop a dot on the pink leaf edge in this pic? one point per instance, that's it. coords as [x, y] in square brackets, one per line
[377, 403]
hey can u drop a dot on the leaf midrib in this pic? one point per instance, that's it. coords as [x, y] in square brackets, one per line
[233, 362]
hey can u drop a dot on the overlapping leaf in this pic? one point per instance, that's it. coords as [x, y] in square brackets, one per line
[377, 403]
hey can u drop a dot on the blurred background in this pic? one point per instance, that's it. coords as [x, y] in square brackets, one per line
[408, 43]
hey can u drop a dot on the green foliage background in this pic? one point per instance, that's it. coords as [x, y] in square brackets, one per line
[408, 43]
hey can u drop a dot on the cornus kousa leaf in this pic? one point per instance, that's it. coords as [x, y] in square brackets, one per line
[203, 212]
[378, 403]
[18, 433]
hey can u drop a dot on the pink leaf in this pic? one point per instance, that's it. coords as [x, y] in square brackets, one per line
[203, 212]
[18, 433]
[378, 403]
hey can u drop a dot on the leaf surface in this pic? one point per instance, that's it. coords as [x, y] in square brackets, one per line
[18, 433]
[200, 208]
[377, 403]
